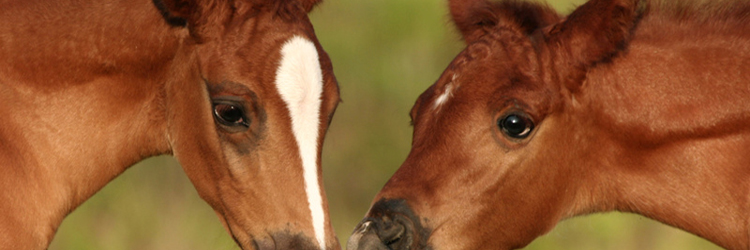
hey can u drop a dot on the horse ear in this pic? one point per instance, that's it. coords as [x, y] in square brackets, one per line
[595, 32]
[475, 18]
[197, 15]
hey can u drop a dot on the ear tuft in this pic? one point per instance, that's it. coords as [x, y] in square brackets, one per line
[475, 18]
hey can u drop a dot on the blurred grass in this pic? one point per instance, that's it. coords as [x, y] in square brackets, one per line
[385, 53]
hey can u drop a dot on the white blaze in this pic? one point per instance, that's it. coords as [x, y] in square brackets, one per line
[299, 81]
[447, 93]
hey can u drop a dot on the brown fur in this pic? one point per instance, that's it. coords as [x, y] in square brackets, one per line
[88, 88]
[639, 106]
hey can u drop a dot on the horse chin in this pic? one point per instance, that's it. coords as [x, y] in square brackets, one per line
[284, 241]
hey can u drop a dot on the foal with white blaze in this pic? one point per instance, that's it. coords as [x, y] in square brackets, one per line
[239, 91]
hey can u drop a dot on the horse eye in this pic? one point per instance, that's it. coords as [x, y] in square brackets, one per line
[230, 115]
[516, 126]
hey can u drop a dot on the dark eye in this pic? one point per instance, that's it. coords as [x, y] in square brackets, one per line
[516, 125]
[229, 114]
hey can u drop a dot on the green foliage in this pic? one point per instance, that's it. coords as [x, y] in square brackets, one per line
[385, 53]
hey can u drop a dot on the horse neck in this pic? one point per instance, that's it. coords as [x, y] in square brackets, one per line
[81, 86]
[686, 185]
[670, 119]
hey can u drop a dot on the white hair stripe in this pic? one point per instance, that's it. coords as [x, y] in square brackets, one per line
[299, 80]
[447, 93]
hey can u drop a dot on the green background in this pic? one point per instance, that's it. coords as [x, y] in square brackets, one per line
[385, 53]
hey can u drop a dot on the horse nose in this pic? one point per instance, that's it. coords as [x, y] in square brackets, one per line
[378, 234]
[390, 226]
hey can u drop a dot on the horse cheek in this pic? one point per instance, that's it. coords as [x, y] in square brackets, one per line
[190, 127]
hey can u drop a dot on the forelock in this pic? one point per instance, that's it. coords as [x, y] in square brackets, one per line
[287, 10]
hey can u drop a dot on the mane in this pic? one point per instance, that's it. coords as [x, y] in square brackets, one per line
[702, 11]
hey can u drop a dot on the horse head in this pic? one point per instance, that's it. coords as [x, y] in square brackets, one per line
[248, 106]
[491, 158]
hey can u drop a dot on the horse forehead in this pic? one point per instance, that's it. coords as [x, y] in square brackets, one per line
[468, 78]
[251, 57]
[478, 63]
[264, 24]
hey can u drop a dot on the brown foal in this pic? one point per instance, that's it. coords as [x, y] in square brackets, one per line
[239, 91]
[627, 105]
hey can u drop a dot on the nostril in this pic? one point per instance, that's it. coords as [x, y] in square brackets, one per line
[366, 237]
[391, 231]
[395, 231]
[390, 225]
